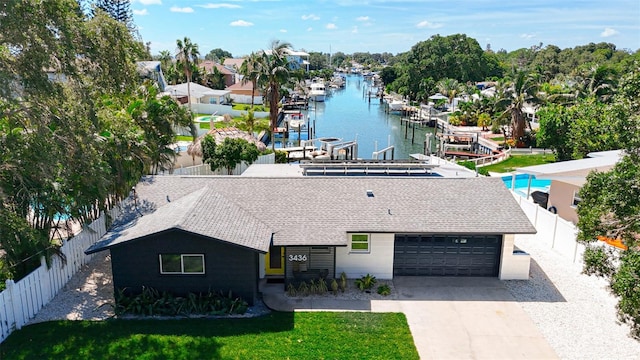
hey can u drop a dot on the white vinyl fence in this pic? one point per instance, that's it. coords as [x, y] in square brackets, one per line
[205, 169]
[555, 232]
[22, 300]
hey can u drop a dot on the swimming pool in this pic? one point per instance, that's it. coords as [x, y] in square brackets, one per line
[522, 183]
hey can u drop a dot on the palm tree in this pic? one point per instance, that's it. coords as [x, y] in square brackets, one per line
[449, 88]
[597, 81]
[513, 97]
[251, 70]
[275, 72]
[187, 56]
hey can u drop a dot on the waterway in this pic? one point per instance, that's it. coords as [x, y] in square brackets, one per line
[348, 114]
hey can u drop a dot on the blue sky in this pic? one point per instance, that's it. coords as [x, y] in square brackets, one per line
[243, 26]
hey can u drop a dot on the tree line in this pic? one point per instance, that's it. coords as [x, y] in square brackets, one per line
[78, 127]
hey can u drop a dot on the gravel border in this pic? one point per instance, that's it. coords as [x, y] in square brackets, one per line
[87, 296]
[574, 312]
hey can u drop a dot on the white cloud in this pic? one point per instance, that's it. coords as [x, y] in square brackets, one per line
[140, 12]
[181, 10]
[219, 6]
[428, 25]
[149, 2]
[309, 29]
[362, 18]
[608, 32]
[331, 26]
[527, 36]
[310, 17]
[283, 30]
[241, 23]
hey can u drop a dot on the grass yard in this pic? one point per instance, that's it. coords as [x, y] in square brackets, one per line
[184, 138]
[312, 335]
[517, 161]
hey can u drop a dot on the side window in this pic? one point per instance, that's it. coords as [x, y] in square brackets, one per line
[576, 199]
[181, 263]
[360, 243]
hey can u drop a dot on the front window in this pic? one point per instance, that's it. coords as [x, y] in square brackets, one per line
[182, 263]
[360, 243]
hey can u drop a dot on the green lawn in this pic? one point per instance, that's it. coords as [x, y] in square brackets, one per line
[184, 138]
[313, 335]
[517, 161]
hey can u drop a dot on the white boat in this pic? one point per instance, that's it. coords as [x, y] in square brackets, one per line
[317, 92]
[296, 121]
[396, 105]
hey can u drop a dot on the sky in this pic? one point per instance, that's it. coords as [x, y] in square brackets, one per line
[375, 26]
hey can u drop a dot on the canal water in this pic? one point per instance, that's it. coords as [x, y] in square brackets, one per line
[347, 114]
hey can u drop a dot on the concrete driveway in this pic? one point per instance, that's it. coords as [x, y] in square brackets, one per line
[465, 318]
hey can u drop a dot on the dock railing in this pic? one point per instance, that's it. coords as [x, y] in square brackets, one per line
[492, 159]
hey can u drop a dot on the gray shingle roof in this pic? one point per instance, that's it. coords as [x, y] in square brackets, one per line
[204, 212]
[322, 210]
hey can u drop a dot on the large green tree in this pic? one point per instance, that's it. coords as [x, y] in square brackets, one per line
[71, 142]
[456, 57]
[218, 55]
[229, 154]
[610, 207]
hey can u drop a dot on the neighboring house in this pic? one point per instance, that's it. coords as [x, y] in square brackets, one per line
[229, 232]
[567, 177]
[152, 70]
[297, 59]
[241, 93]
[234, 65]
[208, 66]
[199, 94]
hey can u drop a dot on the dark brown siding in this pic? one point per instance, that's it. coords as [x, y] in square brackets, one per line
[227, 267]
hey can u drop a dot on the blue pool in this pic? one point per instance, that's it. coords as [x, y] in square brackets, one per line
[522, 182]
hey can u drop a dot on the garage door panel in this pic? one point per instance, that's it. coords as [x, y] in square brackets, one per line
[438, 255]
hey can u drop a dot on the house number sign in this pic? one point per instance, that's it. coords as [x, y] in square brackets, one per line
[297, 257]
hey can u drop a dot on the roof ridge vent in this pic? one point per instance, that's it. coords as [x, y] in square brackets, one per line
[370, 193]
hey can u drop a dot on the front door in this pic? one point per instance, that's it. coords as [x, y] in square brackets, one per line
[275, 261]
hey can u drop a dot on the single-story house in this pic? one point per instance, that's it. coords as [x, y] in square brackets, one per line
[241, 93]
[194, 233]
[199, 94]
[567, 177]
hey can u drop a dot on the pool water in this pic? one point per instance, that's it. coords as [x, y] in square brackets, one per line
[522, 183]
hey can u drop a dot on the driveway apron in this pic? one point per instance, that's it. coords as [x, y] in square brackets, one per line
[465, 318]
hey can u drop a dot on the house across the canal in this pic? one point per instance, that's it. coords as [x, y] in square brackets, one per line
[201, 233]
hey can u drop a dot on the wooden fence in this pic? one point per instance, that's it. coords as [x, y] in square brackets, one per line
[22, 300]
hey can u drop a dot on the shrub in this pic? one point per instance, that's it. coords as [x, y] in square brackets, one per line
[334, 287]
[151, 302]
[291, 290]
[384, 290]
[322, 286]
[366, 282]
[303, 289]
[343, 281]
